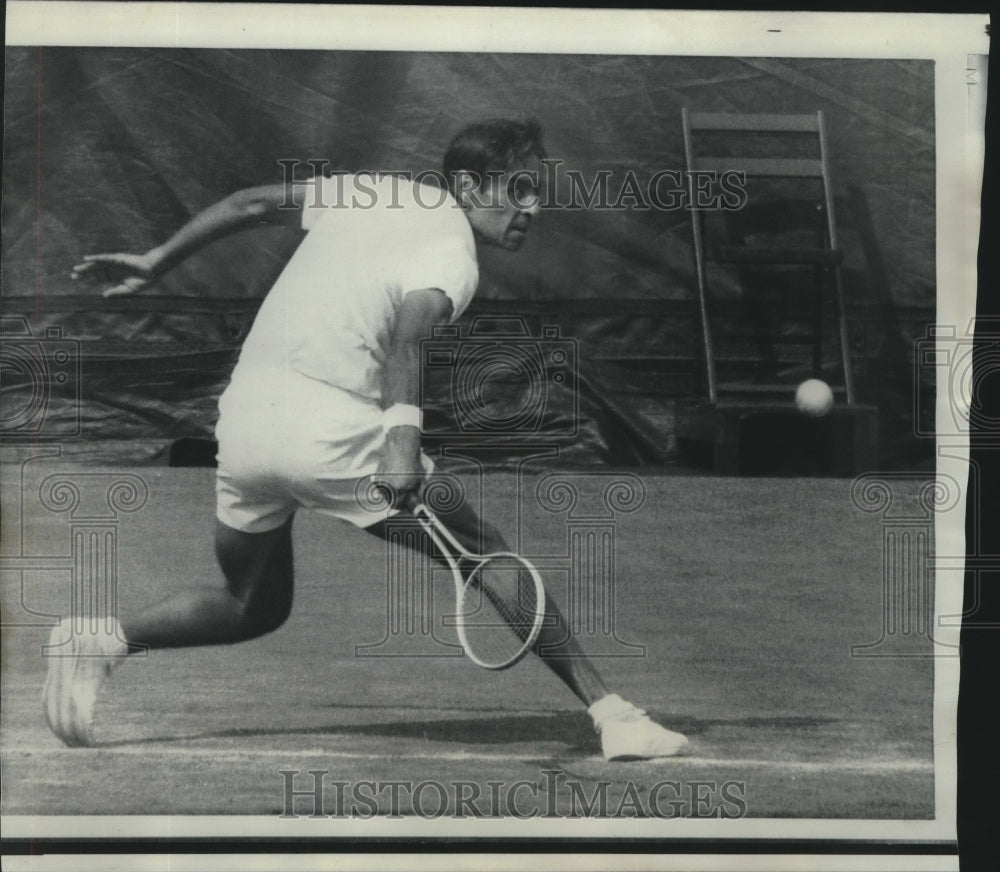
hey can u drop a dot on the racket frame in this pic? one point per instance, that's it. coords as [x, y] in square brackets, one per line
[454, 553]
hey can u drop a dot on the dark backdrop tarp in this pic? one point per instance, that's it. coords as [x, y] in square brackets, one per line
[114, 149]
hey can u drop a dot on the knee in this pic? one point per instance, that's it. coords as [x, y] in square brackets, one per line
[259, 619]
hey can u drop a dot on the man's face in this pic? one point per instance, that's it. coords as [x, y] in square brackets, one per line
[502, 210]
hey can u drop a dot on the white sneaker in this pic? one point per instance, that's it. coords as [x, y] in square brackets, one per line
[76, 671]
[627, 733]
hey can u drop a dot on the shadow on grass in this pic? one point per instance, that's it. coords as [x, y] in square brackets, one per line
[573, 729]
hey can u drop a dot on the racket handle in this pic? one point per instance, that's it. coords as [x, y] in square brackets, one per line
[409, 502]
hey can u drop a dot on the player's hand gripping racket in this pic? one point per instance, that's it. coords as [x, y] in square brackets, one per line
[499, 598]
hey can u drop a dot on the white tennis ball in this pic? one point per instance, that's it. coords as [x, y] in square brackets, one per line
[814, 398]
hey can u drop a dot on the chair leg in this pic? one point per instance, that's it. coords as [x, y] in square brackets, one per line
[699, 262]
[845, 344]
[706, 332]
[817, 361]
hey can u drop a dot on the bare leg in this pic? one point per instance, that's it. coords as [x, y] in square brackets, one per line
[255, 599]
[626, 731]
[565, 657]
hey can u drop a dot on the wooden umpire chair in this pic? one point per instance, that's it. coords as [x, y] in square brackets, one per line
[733, 408]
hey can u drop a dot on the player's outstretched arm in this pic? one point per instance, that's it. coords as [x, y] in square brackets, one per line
[419, 312]
[251, 207]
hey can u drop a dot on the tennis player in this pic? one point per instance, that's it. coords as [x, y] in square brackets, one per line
[325, 395]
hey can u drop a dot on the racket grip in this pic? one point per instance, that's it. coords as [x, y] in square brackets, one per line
[409, 502]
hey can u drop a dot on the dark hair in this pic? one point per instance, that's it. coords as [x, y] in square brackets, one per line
[497, 144]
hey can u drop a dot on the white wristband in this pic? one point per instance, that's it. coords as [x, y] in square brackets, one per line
[402, 415]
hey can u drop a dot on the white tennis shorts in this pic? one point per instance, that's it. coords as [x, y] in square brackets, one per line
[288, 442]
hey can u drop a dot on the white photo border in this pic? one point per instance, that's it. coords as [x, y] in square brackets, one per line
[951, 41]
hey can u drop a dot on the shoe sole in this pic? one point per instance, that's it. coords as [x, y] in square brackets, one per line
[681, 751]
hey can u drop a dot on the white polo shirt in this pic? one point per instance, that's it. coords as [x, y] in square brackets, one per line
[306, 395]
[371, 240]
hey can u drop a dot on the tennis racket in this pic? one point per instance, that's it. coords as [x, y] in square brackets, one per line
[499, 598]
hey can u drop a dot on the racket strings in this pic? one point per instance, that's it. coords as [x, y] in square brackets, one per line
[499, 609]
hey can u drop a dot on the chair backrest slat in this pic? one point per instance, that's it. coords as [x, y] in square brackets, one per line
[753, 123]
[773, 167]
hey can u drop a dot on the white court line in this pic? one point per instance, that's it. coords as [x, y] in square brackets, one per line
[229, 754]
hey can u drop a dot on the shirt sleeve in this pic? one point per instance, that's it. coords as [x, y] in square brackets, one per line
[328, 192]
[449, 268]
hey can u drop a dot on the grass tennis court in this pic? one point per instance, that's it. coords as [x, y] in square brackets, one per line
[746, 593]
